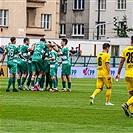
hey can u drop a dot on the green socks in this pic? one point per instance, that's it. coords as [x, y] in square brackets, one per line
[19, 82]
[64, 84]
[69, 85]
[23, 80]
[10, 81]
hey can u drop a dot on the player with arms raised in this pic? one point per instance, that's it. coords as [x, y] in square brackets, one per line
[103, 77]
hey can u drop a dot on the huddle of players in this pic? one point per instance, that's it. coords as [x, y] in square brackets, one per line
[35, 63]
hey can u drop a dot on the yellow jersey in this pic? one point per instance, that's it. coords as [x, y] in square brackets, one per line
[127, 54]
[102, 59]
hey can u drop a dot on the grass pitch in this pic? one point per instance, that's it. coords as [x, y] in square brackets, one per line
[64, 112]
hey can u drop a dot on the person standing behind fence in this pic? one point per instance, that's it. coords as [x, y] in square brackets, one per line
[104, 76]
[127, 55]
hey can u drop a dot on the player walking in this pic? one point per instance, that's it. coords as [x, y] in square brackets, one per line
[103, 77]
[127, 56]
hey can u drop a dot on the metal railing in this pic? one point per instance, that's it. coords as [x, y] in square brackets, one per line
[84, 61]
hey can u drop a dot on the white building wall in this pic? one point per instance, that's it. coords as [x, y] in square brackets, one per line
[107, 15]
[86, 46]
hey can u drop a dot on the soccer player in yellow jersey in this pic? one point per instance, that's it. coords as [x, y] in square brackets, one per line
[127, 56]
[104, 76]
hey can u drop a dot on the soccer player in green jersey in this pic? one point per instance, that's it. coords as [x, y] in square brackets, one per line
[22, 64]
[27, 86]
[11, 50]
[37, 63]
[46, 70]
[53, 68]
[66, 65]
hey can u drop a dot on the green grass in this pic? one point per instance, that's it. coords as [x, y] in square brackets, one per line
[64, 112]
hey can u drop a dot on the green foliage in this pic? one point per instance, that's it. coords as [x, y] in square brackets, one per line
[64, 112]
[122, 28]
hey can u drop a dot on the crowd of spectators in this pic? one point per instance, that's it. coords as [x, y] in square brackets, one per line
[75, 51]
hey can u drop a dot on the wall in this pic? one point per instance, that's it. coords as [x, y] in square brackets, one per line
[107, 15]
[87, 46]
[16, 17]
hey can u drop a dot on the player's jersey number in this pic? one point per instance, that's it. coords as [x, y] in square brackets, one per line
[129, 57]
[100, 61]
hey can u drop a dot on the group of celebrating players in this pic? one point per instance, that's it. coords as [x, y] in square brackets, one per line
[41, 60]
[36, 63]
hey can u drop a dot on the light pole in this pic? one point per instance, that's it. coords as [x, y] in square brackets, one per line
[98, 19]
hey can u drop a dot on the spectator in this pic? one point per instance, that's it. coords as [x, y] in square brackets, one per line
[77, 51]
[2, 49]
[72, 51]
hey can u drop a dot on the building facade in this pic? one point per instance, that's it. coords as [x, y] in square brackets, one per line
[74, 18]
[32, 18]
[108, 10]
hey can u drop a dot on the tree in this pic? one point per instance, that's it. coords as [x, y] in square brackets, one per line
[122, 27]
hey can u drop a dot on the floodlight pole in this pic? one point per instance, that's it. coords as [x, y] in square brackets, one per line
[98, 19]
[98, 26]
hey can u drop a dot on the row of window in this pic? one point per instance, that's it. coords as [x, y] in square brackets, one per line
[80, 4]
[77, 29]
[121, 4]
[45, 19]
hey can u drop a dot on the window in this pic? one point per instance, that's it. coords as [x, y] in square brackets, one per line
[3, 17]
[63, 6]
[115, 50]
[78, 4]
[121, 4]
[62, 29]
[45, 21]
[102, 4]
[78, 29]
[102, 29]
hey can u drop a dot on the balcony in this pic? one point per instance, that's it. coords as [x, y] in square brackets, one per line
[35, 31]
[35, 3]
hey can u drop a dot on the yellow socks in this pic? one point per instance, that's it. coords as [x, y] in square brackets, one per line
[108, 95]
[97, 91]
[130, 101]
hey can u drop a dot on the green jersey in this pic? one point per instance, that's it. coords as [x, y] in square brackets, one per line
[46, 55]
[12, 52]
[65, 55]
[24, 50]
[39, 49]
[54, 55]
